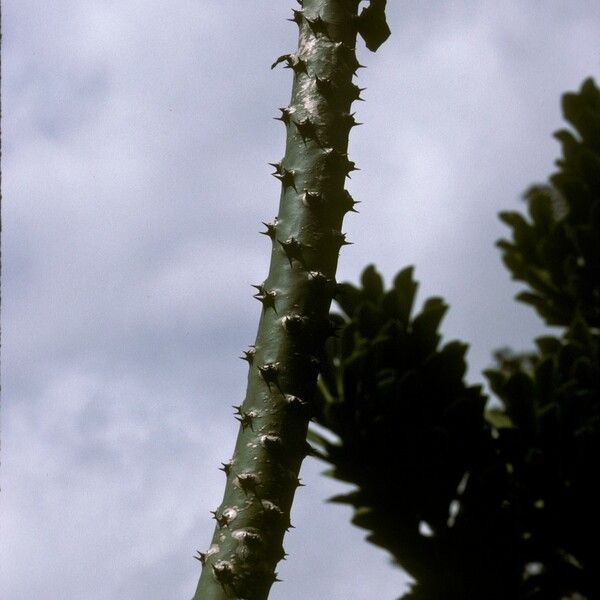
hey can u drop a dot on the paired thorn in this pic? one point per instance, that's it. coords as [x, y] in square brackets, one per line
[348, 203]
[321, 280]
[271, 510]
[271, 229]
[248, 355]
[348, 121]
[325, 87]
[282, 554]
[248, 536]
[247, 419]
[339, 238]
[287, 179]
[336, 239]
[295, 480]
[318, 26]
[313, 199]
[297, 16]
[223, 572]
[269, 373]
[272, 443]
[296, 403]
[284, 175]
[293, 250]
[201, 557]
[294, 323]
[222, 519]
[248, 482]
[226, 468]
[292, 61]
[306, 129]
[350, 57]
[340, 160]
[286, 114]
[354, 93]
[349, 166]
[278, 166]
[266, 297]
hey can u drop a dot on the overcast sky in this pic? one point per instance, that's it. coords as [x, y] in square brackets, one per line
[136, 140]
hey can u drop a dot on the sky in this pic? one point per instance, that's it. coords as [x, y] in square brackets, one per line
[136, 137]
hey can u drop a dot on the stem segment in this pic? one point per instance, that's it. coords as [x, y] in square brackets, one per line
[262, 476]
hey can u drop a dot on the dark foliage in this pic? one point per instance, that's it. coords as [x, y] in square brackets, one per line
[414, 440]
[552, 398]
[550, 442]
[557, 251]
[472, 504]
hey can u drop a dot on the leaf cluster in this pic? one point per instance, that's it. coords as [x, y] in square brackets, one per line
[413, 438]
[556, 251]
[497, 503]
[548, 437]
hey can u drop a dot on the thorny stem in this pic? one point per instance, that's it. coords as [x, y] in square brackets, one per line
[306, 237]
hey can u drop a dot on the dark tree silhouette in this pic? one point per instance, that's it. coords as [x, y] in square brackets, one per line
[473, 503]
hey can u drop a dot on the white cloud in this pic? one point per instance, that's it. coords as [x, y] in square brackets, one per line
[136, 137]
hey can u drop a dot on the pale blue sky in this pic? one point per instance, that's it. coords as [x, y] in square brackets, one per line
[135, 149]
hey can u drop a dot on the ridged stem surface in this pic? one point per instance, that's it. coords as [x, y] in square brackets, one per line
[306, 237]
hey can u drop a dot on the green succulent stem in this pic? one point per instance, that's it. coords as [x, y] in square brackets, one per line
[306, 237]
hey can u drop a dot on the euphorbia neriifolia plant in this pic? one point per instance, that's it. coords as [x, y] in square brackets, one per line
[306, 238]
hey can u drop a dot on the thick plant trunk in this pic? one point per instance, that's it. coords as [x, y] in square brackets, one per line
[306, 237]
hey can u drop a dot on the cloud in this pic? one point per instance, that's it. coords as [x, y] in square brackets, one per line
[136, 137]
